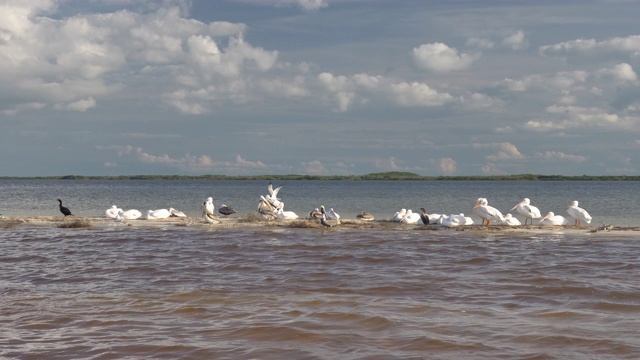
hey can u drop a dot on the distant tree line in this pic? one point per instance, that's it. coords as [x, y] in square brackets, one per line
[393, 175]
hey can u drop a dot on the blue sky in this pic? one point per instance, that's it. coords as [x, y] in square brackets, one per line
[319, 87]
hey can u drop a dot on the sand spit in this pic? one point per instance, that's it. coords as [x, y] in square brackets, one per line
[253, 221]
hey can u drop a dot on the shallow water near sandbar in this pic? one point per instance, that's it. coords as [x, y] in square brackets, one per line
[280, 293]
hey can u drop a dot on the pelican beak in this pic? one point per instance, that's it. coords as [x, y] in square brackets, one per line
[520, 203]
[543, 219]
[475, 206]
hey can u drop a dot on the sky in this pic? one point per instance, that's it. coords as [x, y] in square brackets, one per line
[319, 87]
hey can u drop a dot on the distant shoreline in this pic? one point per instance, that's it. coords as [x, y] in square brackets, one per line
[372, 176]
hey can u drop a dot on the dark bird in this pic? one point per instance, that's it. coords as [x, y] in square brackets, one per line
[226, 210]
[315, 214]
[64, 210]
[424, 216]
[327, 222]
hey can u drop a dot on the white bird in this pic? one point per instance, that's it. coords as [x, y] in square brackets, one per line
[553, 219]
[486, 212]
[281, 214]
[467, 220]
[158, 214]
[128, 215]
[332, 214]
[397, 217]
[527, 210]
[112, 212]
[450, 221]
[272, 198]
[578, 213]
[176, 213]
[208, 211]
[435, 218]
[511, 221]
[411, 218]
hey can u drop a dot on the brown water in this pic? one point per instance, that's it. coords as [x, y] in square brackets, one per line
[193, 293]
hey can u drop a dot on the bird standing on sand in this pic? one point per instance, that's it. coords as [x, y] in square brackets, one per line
[64, 210]
[578, 213]
[226, 210]
[486, 212]
[207, 211]
[527, 210]
[424, 216]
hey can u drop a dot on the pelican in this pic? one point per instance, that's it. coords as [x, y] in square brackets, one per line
[410, 217]
[281, 214]
[65, 211]
[365, 216]
[315, 214]
[467, 220]
[128, 215]
[424, 216]
[435, 218]
[158, 214]
[176, 213]
[265, 209]
[451, 220]
[112, 212]
[486, 212]
[511, 221]
[226, 210]
[529, 212]
[332, 214]
[207, 207]
[327, 222]
[272, 198]
[578, 213]
[397, 217]
[553, 219]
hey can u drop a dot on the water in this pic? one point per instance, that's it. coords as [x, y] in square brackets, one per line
[114, 292]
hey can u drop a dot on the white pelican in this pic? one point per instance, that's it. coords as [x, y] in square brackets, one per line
[112, 212]
[365, 216]
[272, 198]
[399, 215]
[435, 218]
[411, 218]
[486, 212]
[450, 221]
[287, 215]
[527, 210]
[226, 210]
[511, 221]
[158, 214]
[553, 219]
[128, 215]
[578, 213]
[176, 213]
[332, 214]
[208, 211]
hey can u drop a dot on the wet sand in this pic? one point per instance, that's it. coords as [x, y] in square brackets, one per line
[253, 221]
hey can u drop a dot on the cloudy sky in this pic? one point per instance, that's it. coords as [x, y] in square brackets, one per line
[319, 87]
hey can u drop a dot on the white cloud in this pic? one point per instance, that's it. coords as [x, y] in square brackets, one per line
[621, 72]
[516, 41]
[312, 5]
[448, 166]
[80, 105]
[558, 155]
[628, 45]
[363, 88]
[440, 58]
[506, 151]
[565, 117]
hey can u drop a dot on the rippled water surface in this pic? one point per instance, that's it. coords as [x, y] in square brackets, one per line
[268, 293]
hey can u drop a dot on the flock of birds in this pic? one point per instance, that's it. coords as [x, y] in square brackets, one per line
[272, 207]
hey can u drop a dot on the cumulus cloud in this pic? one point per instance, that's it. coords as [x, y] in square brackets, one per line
[312, 5]
[516, 41]
[505, 151]
[565, 117]
[448, 166]
[346, 91]
[620, 72]
[440, 58]
[591, 47]
[558, 155]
